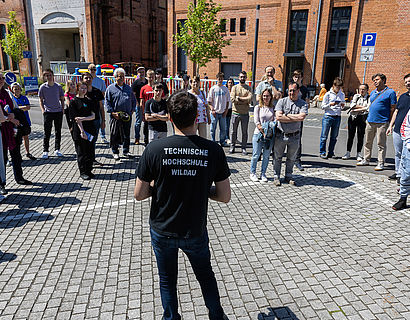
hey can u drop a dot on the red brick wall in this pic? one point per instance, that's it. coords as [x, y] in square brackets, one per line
[390, 19]
[5, 7]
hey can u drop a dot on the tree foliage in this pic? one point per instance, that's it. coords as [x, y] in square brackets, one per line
[200, 36]
[15, 41]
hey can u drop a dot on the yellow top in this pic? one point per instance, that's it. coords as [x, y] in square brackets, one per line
[322, 94]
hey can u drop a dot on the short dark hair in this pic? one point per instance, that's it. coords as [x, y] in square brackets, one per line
[297, 72]
[406, 76]
[158, 71]
[366, 85]
[338, 82]
[86, 74]
[182, 108]
[243, 72]
[158, 85]
[269, 66]
[48, 71]
[381, 75]
[291, 83]
[195, 78]
[220, 74]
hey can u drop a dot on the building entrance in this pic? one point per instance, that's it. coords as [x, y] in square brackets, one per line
[334, 68]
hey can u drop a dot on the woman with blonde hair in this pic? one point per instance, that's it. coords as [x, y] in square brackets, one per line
[70, 93]
[263, 136]
[203, 116]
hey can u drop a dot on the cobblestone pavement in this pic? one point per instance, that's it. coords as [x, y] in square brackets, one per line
[330, 248]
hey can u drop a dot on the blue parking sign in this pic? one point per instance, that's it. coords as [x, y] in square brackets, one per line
[369, 39]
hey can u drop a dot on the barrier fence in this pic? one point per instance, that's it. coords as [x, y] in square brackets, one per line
[172, 84]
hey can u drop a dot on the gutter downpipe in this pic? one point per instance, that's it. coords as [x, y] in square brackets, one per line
[319, 14]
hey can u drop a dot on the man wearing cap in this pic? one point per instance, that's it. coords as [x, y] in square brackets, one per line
[136, 88]
[100, 85]
[159, 79]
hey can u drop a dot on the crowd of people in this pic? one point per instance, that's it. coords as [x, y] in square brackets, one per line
[278, 118]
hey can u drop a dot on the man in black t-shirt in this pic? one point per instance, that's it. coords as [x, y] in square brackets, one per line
[178, 172]
[156, 114]
[97, 98]
[159, 78]
[136, 88]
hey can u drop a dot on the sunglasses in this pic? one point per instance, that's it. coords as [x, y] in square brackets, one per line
[93, 69]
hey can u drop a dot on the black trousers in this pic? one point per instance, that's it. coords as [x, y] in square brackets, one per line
[84, 150]
[49, 118]
[354, 124]
[145, 131]
[16, 161]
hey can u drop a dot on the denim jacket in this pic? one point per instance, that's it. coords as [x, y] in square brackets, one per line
[265, 127]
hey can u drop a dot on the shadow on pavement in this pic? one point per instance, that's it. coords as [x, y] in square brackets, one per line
[6, 257]
[51, 160]
[54, 188]
[323, 182]
[117, 176]
[279, 313]
[28, 201]
[232, 159]
[16, 218]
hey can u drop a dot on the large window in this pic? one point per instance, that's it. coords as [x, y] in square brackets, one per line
[233, 25]
[223, 25]
[242, 25]
[339, 30]
[181, 55]
[297, 32]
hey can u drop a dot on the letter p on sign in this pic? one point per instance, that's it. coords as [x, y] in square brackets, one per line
[369, 39]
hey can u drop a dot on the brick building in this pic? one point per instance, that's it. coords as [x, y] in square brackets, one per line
[6, 62]
[287, 34]
[99, 31]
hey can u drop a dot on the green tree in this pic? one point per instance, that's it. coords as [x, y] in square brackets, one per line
[200, 36]
[15, 41]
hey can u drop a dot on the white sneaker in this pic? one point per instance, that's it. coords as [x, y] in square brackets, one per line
[253, 177]
[379, 167]
[359, 156]
[58, 153]
[116, 156]
[45, 155]
[362, 163]
[346, 156]
[263, 178]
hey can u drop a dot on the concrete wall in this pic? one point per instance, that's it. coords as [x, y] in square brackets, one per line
[54, 23]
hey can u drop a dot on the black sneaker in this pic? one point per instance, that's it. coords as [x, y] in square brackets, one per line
[3, 190]
[91, 175]
[401, 204]
[30, 156]
[85, 177]
[231, 150]
[24, 182]
[393, 177]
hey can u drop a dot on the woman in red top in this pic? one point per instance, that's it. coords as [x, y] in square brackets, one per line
[11, 141]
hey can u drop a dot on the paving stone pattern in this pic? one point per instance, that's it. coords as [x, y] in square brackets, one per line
[330, 248]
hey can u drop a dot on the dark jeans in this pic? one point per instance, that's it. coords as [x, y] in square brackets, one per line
[49, 118]
[126, 144]
[356, 123]
[97, 125]
[138, 121]
[329, 124]
[16, 161]
[84, 150]
[197, 251]
[299, 154]
[146, 134]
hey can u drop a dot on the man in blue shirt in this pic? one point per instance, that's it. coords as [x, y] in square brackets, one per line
[382, 104]
[403, 106]
[120, 101]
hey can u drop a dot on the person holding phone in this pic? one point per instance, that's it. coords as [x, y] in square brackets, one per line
[333, 103]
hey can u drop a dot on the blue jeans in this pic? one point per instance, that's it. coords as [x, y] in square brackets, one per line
[332, 124]
[405, 172]
[222, 126]
[138, 121]
[398, 147]
[257, 150]
[197, 251]
[102, 133]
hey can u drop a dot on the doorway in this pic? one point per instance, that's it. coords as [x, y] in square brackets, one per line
[334, 68]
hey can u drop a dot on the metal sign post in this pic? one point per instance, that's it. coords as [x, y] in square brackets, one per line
[367, 52]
